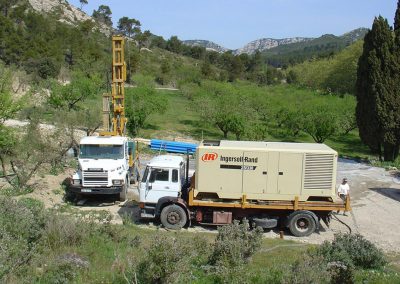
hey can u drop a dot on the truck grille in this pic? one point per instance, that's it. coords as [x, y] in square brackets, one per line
[318, 171]
[95, 178]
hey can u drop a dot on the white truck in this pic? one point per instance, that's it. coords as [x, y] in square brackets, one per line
[291, 185]
[106, 166]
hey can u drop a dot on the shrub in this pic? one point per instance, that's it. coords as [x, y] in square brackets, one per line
[21, 227]
[59, 273]
[168, 260]
[235, 244]
[353, 249]
[65, 230]
[308, 270]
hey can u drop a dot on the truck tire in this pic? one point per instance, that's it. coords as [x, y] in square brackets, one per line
[302, 224]
[124, 192]
[173, 217]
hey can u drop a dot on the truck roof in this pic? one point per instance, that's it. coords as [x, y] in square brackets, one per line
[166, 161]
[96, 140]
[258, 145]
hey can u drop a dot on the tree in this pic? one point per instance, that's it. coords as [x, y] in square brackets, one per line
[174, 44]
[8, 107]
[396, 54]
[206, 68]
[319, 122]
[26, 153]
[83, 2]
[377, 91]
[158, 41]
[103, 15]
[140, 103]
[143, 39]
[129, 27]
[69, 96]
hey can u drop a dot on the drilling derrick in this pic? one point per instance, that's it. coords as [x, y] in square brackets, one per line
[114, 120]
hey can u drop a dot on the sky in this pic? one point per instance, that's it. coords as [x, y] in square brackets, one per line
[234, 23]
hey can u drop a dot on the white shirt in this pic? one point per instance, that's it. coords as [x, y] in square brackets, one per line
[344, 188]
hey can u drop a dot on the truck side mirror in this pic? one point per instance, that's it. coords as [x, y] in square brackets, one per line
[129, 151]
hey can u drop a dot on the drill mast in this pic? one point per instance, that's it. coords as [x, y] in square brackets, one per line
[114, 120]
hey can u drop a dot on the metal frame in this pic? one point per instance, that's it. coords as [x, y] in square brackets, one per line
[294, 205]
[114, 104]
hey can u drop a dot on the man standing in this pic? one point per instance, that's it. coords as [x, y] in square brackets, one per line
[343, 191]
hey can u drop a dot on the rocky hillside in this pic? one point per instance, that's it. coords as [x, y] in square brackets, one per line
[209, 45]
[323, 46]
[268, 43]
[65, 12]
[265, 44]
[355, 35]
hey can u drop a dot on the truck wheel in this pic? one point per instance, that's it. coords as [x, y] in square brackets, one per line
[302, 225]
[124, 192]
[173, 217]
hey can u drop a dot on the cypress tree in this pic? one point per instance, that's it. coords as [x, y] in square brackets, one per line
[377, 110]
[396, 55]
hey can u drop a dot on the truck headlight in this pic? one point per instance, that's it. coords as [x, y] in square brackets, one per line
[117, 181]
[76, 182]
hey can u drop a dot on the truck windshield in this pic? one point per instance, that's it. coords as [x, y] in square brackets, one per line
[101, 151]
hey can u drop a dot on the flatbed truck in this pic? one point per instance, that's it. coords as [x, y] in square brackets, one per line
[272, 184]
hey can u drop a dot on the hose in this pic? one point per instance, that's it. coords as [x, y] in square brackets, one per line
[337, 219]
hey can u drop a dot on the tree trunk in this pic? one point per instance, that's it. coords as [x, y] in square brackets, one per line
[225, 134]
[396, 151]
[389, 152]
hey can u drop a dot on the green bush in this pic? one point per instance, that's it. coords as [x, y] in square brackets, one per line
[59, 273]
[21, 227]
[353, 250]
[311, 269]
[169, 260]
[65, 230]
[235, 244]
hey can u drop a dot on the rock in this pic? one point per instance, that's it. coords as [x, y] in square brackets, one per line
[68, 13]
[267, 43]
[74, 259]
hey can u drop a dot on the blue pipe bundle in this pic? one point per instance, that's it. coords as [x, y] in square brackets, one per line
[172, 146]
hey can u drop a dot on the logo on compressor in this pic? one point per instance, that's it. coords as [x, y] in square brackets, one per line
[207, 157]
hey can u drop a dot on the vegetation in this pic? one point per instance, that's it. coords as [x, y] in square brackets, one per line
[48, 246]
[245, 110]
[378, 99]
[220, 95]
[336, 74]
[323, 47]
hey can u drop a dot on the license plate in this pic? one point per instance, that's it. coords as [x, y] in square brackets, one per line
[86, 190]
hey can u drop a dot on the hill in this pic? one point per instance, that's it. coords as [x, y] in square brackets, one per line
[323, 46]
[268, 43]
[208, 45]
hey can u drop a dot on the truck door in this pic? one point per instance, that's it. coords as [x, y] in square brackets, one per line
[160, 184]
[254, 172]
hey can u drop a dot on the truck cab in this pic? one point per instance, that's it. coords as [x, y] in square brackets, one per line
[104, 166]
[164, 177]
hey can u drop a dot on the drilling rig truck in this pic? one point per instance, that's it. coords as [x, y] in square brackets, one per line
[272, 184]
[107, 163]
